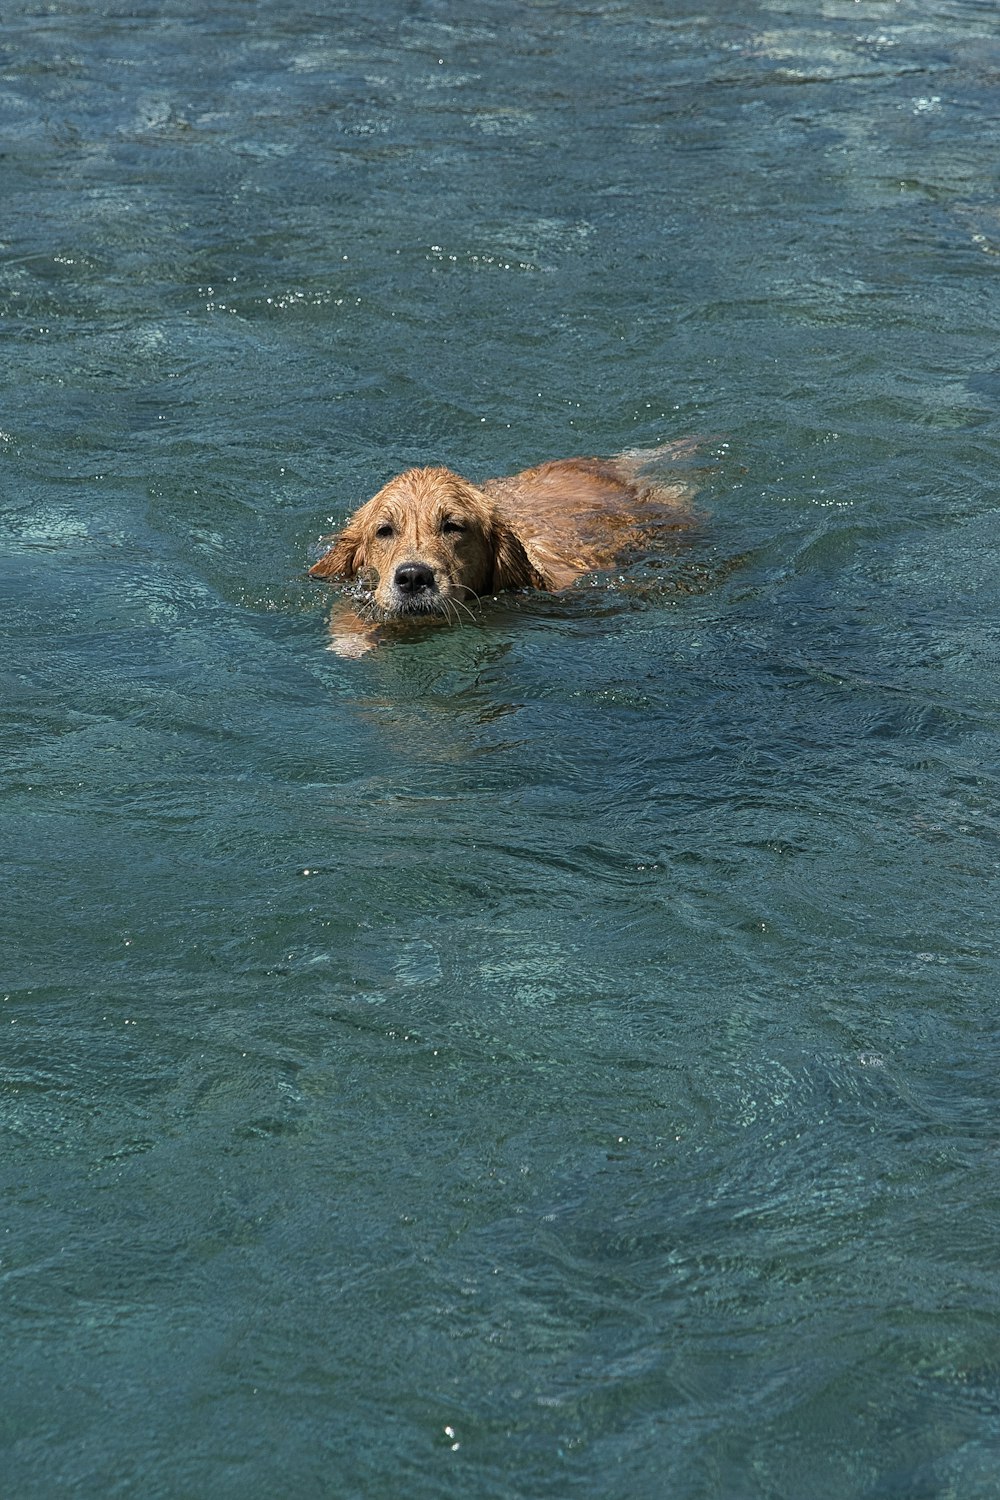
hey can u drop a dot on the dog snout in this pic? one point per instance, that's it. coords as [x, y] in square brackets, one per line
[414, 578]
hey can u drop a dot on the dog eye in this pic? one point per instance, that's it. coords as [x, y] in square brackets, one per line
[452, 528]
[386, 529]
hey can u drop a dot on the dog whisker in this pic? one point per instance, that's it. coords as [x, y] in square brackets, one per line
[456, 608]
[463, 604]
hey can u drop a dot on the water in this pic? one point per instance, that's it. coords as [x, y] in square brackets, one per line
[557, 1057]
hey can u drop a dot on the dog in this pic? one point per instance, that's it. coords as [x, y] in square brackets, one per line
[431, 542]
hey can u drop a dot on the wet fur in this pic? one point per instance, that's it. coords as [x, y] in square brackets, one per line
[431, 542]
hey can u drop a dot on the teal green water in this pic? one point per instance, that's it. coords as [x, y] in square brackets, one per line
[558, 1057]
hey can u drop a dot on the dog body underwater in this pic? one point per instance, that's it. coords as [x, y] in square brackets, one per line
[431, 542]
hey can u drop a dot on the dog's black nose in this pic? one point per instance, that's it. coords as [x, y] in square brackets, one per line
[413, 577]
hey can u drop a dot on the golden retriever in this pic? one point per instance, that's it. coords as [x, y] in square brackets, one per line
[430, 541]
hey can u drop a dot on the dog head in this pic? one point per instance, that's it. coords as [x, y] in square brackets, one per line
[428, 540]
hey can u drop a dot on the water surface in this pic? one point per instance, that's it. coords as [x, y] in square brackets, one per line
[556, 1057]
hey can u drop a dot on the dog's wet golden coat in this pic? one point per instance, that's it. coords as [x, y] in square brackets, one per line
[430, 541]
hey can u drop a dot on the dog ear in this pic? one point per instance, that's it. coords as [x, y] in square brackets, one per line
[512, 567]
[345, 558]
